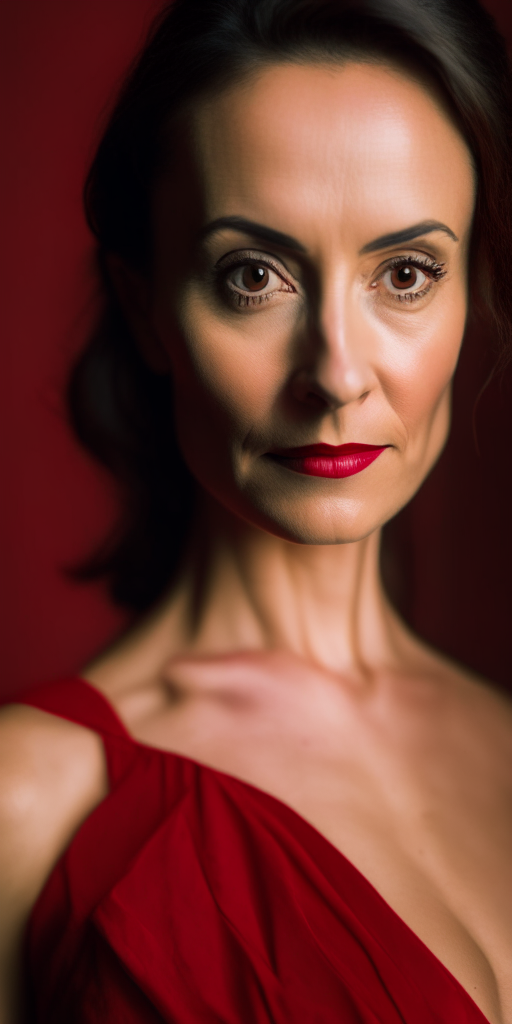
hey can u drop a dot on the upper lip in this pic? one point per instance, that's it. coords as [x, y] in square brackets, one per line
[325, 449]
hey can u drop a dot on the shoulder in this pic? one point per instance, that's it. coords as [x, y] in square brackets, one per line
[478, 700]
[472, 713]
[52, 775]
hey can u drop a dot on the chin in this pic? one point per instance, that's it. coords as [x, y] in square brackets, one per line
[311, 510]
[316, 520]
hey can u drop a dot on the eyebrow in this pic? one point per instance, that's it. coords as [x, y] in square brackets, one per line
[407, 235]
[250, 227]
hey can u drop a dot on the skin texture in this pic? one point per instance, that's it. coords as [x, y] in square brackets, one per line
[277, 657]
[332, 355]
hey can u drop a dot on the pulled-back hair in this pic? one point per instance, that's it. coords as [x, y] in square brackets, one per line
[121, 410]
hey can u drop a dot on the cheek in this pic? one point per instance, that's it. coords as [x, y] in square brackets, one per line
[229, 370]
[227, 373]
[417, 379]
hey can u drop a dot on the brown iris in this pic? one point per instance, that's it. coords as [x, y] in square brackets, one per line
[254, 278]
[404, 277]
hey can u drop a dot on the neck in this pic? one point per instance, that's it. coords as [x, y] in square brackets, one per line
[246, 589]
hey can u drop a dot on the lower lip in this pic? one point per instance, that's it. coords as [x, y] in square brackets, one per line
[333, 466]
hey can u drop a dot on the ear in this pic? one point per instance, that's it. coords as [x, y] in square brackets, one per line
[133, 292]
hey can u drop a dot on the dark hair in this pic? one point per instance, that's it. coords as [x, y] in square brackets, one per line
[120, 409]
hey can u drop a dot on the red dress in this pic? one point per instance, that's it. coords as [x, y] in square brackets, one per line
[191, 897]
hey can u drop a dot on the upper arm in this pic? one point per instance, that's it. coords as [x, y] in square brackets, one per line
[52, 775]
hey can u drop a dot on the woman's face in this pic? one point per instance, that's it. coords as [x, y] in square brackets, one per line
[310, 287]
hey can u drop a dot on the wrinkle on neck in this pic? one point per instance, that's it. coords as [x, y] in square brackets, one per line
[246, 589]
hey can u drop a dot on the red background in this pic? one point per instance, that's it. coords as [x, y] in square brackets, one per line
[62, 62]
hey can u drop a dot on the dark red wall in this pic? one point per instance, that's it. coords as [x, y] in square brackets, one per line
[61, 63]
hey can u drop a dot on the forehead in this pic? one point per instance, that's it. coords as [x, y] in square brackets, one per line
[300, 144]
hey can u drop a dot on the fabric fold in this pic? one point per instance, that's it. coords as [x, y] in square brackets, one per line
[191, 897]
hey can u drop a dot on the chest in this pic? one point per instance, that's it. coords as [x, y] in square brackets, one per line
[423, 814]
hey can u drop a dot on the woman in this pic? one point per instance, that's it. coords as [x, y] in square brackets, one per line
[270, 801]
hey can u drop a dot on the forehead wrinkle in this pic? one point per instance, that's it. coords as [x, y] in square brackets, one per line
[278, 174]
[251, 166]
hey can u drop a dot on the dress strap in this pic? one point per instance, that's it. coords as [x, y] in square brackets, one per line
[78, 701]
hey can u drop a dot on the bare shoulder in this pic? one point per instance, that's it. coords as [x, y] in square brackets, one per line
[52, 775]
[47, 765]
[476, 710]
[489, 710]
[484, 701]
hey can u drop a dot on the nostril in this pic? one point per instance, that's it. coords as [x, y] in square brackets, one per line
[310, 393]
[329, 386]
[315, 401]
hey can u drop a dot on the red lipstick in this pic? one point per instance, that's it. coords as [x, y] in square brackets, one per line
[328, 460]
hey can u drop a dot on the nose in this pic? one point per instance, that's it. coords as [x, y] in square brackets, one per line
[334, 366]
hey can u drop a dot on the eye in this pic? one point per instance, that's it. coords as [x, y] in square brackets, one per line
[404, 278]
[251, 279]
[408, 278]
[255, 279]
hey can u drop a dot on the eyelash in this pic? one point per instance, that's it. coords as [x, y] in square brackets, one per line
[221, 274]
[429, 266]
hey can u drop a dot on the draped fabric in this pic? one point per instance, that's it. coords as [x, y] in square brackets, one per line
[191, 897]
